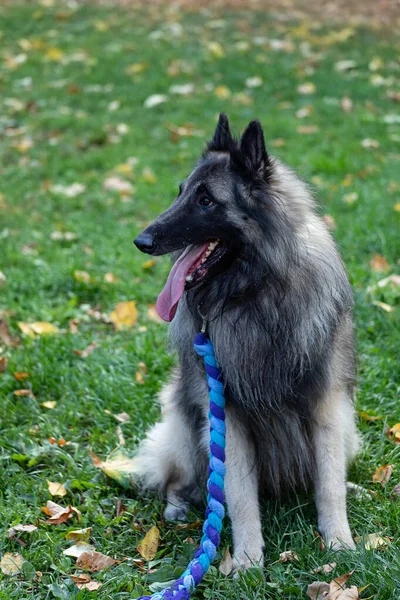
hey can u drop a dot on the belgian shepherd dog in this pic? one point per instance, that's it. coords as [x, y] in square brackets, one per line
[255, 263]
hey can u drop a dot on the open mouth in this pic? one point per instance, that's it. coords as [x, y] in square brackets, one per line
[193, 267]
[204, 263]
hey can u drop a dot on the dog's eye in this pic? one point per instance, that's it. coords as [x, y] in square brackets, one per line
[205, 201]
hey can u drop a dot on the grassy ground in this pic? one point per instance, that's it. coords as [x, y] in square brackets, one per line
[73, 84]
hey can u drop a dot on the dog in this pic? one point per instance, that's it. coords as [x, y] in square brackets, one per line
[256, 265]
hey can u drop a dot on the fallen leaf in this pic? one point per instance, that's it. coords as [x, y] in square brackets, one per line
[394, 433]
[148, 175]
[335, 590]
[329, 222]
[155, 100]
[124, 315]
[111, 278]
[182, 90]
[226, 564]
[56, 489]
[122, 417]
[70, 191]
[3, 278]
[215, 49]
[384, 306]
[88, 350]
[21, 375]
[79, 534]
[306, 88]
[307, 129]
[350, 198]
[396, 490]
[149, 264]
[345, 65]
[392, 279]
[148, 547]
[142, 370]
[118, 184]
[120, 435]
[77, 549]
[82, 277]
[63, 236]
[119, 465]
[59, 514]
[327, 568]
[5, 335]
[396, 207]
[370, 418]
[288, 556]
[37, 328]
[24, 393]
[153, 315]
[253, 82]
[379, 264]
[94, 561]
[50, 404]
[13, 531]
[222, 92]
[3, 364]
[304, 112]
[393, 95]
[11, 564]
[54, 54]
[90, 585]
[347, 104]
[369, 143]
[135, 68]
[382, 475]
[373, 541]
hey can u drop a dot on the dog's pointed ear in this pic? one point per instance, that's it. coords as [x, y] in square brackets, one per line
[222, 139]
[252, 146]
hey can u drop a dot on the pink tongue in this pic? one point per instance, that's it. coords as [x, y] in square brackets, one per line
[167, 301]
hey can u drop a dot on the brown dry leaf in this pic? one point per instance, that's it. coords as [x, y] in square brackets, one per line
[11, 564]
[122, 417]
[94, 561]
[382, 475]
[20, 375]
[329, 222]
[142, 370]
[384, 306]
[79, 534]
[335, 590]
[153, 315]
[5, 335]
[288, 556]
[24, 393]
[56, 489]
[124, 315]
[111, 278]
[396, 490]
[328, 568]
[59, 514]
[369, 143]
[393, 95]
[87, 585]
[226, 564]
[13, 531]
[3, 364]
[88, 350]
[394, 433]
[379, 263]
[37, 328]
[148, 547]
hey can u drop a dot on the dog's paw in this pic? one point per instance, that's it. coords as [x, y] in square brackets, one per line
[176, 512]
[242, 561]
[340, 543]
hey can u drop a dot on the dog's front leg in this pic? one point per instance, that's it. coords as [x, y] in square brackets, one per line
[241, 490]
[333, 423]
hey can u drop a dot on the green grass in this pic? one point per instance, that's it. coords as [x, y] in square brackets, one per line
[51, 100]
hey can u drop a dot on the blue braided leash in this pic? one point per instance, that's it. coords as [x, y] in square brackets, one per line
[206, 552]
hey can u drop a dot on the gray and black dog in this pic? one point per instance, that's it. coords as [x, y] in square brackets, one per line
[254, 260]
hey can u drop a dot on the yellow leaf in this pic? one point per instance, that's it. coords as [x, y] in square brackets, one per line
[82, 276]
[135, 68]
[382, 475]
[20, 375]
[119, 465]
[124, 169]
[148, 175]
[148, 547]
[111, 278]
[374, 541]
[54, 54]
[124, 315]
[148, 264]
[77, 549]
[384, 306]
[142, 370]
[23, 393]
[37, 328]
[11, 564]
[49, 404]
[215, 49]
[396, 207]
[56, 489]
[153, 315]
[394, 433]
[79, 534]
[288, 556]
[101, 26]
[222, 92]
[306, 88]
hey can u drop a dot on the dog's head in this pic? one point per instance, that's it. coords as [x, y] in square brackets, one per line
[216, 215]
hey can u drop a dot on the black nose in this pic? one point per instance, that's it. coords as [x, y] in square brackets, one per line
[145, 243]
